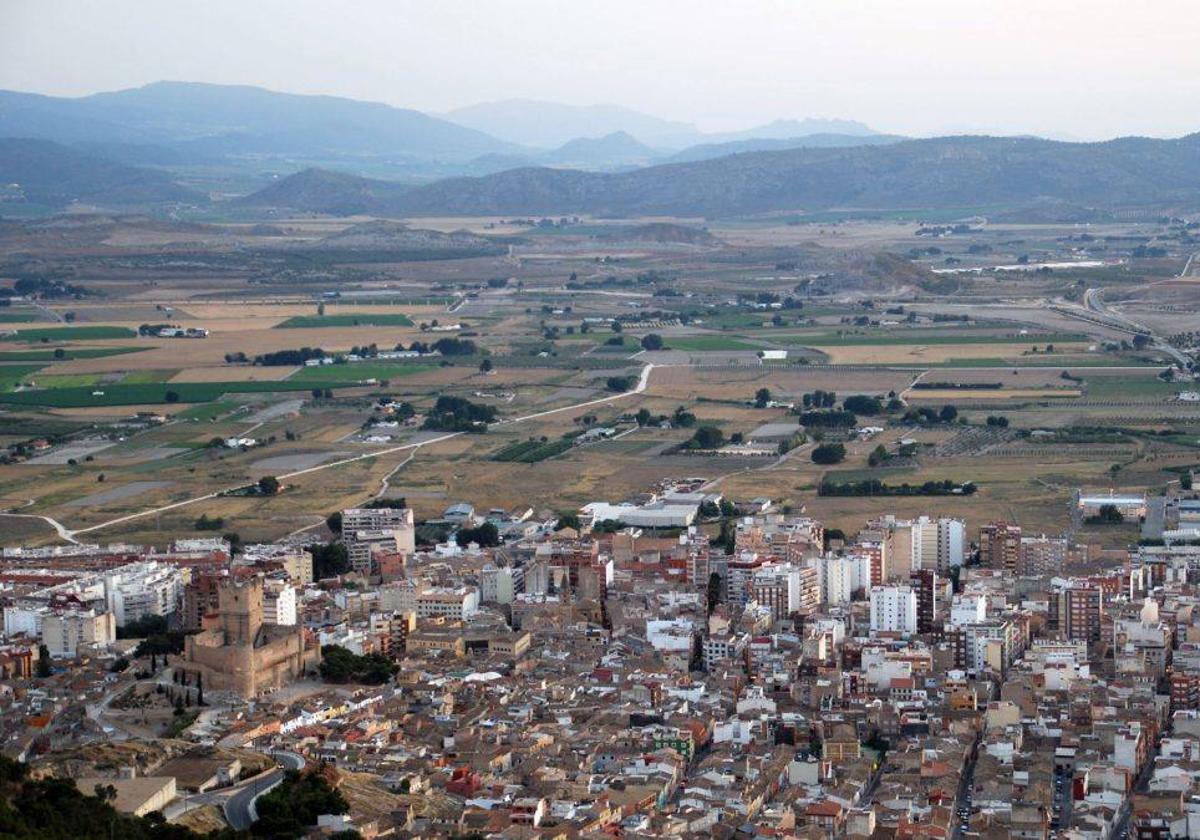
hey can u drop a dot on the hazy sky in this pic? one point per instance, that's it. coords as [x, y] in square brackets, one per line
[1066, 68]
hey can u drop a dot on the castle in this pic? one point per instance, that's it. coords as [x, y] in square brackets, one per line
[242, 654]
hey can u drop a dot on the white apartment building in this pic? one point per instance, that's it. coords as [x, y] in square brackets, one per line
[397, 520]
[893, 609]
[439, 601]
[279, 603]
[968, 608]
[138, 590]
[24, 619]
[840, 577]
[938, 543]
[500, 586]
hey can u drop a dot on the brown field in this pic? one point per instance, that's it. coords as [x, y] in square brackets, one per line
[990, 393]
[900, 354]
[737, 383]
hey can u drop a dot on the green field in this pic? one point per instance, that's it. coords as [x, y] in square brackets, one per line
[1133, 386]
[353, 372]
[151, 394]
[7, 317]
[708, 342]
[71, 380]
[532, 451]
[358, 319]
[69, 334]
[68, 353]
[141, 377]
[10, 375]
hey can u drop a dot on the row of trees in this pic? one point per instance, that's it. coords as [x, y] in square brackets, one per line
[875, 487]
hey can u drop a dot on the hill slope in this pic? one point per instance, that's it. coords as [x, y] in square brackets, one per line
[235, 118]
[708, 151]
[943, 172]
[46, 173]
[324, 191]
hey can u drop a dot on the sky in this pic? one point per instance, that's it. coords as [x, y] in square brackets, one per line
[1059, 68]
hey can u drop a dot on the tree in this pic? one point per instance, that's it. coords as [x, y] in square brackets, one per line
[329, 560]
[339, 665]
[1185, 481]
[616, 326]
[43, 669]
[1107, 515]
[172, 396]
[1141, 341]
[829, 453]
[268, 485]
[485, 536]
[652, 341]
[863, 404]
[948, 414]
[713, 595]
[761, 397]
[707, 437]
[620, 384]
[294, 806]
[878, 456]
[683, 419]
[334, 522]
[568, 520]
[486, 366]
[643, 416]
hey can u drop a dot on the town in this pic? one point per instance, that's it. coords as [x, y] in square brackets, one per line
[589, 675]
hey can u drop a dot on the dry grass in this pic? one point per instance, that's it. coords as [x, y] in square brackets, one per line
[741, 383]
[896, 354]
[990, 393]
[203, 820]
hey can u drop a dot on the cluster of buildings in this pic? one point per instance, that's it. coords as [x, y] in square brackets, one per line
[672, 677]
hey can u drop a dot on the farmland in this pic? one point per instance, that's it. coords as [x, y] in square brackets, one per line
[47, 334]
[365, 319]
[533, 356]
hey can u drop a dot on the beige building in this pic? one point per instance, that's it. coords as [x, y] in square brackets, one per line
[64, 633]
[243, 654]
[137, 796]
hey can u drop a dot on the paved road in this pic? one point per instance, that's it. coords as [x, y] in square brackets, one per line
[1093, 299]
[239, 808]
[966, 784]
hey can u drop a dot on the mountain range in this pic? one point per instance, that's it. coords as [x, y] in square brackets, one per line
[547, 125]
[334, 155]
[202, 121]
[935, 173]
[249, 131]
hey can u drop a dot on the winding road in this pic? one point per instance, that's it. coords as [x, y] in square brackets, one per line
[239, 808]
